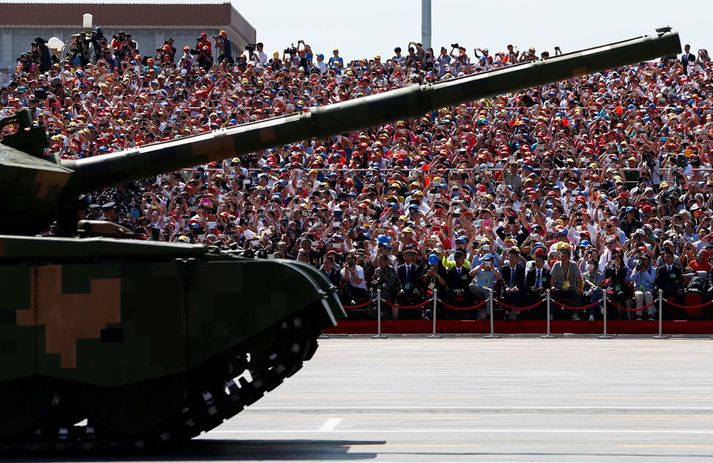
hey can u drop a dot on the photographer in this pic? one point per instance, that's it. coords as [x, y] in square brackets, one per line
[353, 282]
[643, 278]
[385, 279]
[120, 46]
[224, 48]
[204, 45]
[44, 59]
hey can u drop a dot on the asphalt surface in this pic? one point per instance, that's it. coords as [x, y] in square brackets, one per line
[461, 399]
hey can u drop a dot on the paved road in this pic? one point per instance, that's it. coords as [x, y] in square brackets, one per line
[459, 399]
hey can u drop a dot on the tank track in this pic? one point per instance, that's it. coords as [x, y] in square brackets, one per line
[209, 401]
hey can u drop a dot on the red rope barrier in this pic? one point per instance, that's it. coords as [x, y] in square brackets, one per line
[569, 307]
[512, 307]
[626, 309]
[455, 307]
[359, 306]
[691, 307]
[408, 307]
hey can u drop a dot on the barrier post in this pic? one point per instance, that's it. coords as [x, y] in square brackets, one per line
[378, 315]
[660, 335]
[605, 335]
[435, 311]
[492, 334]
[548, 316]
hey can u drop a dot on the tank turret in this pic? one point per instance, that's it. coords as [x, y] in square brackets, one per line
[110, 343]
[37, 186]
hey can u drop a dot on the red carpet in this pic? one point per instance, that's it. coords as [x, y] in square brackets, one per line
[521, 327]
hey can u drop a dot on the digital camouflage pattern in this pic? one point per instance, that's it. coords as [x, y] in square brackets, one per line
[111, 312]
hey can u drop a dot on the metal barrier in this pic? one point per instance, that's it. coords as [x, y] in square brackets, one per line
[548, 301]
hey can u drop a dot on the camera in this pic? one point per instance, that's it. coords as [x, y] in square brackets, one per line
[291, 50]
[455, 45]
[250, 47]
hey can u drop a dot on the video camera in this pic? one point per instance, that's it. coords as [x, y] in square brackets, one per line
[291, 50]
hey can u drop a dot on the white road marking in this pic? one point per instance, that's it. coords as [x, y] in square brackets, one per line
[486, 409]
[474, 430]
[330, 424]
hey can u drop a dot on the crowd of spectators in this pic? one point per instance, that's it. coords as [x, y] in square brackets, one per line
[591, 186]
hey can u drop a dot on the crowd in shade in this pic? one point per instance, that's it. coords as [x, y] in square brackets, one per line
[595, 187]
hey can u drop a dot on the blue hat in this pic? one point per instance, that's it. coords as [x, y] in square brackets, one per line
[383, 239]
[584, 243]
[462, 239]
[433, 259]
[488, 256]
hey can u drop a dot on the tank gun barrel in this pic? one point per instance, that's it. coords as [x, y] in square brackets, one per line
[101, 171]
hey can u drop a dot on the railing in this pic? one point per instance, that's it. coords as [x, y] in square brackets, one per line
[435, 302]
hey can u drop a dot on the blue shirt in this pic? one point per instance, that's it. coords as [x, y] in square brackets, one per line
[643, 281]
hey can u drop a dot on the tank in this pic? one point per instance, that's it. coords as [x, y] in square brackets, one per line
[113, 342]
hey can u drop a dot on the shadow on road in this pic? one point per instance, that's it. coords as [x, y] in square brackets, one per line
[221, 450]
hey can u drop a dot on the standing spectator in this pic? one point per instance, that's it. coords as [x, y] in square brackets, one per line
[398, 58]
[45, 59]
[320, 64]
[224, 48]
[261, 55]
[336, 62]
[688, 59]
[203, 44]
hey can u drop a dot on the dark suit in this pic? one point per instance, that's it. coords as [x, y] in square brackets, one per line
[513, 280]
[533, 294]
[517, 280]
[410, 282]
[531, 278]
[686, 59]
[616, 286]
[457, 283]
[671, 283]
[410, 289]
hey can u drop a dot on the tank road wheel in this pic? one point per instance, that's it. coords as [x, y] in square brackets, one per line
[135, 410]
[24, 404]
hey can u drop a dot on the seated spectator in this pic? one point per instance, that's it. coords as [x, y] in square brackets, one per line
[513, 282]
[567, 284]
[385, 279]
[458, 281]
[593, 282]
[643, 278]
[410, 276]
[353, 281]
[537, 282]
[669, 279]
[616, 277]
